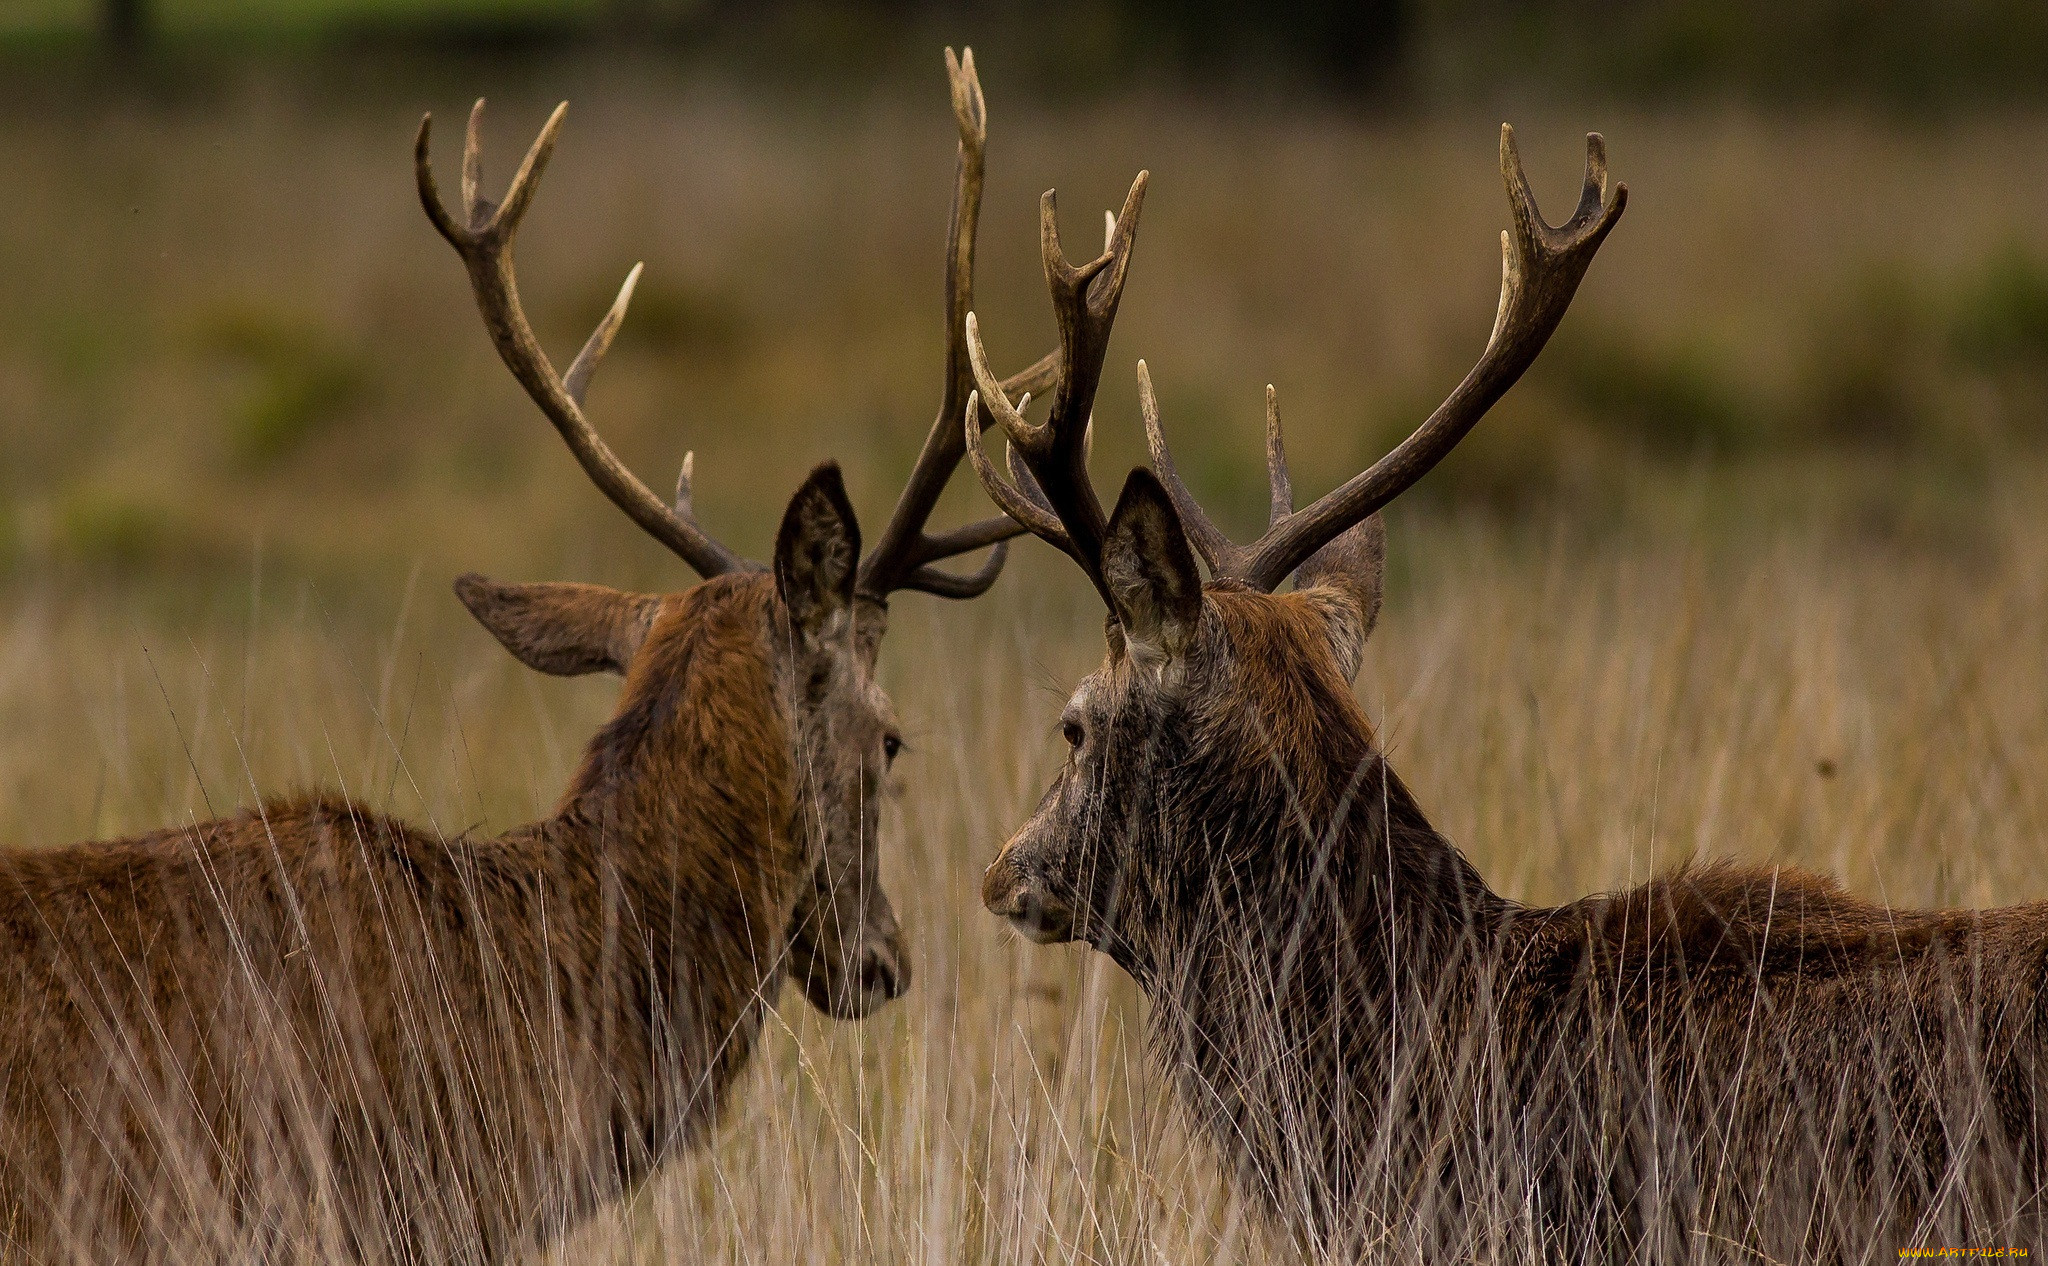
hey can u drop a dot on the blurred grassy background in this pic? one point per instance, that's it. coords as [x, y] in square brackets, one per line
[1752, 563]
[228, 320]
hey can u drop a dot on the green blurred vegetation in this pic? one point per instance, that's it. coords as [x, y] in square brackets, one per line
[1905, 51]
[300, 380]
[186, 18]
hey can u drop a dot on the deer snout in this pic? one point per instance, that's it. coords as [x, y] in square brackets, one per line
[873, 977]
[883, 974]
[1012, 892]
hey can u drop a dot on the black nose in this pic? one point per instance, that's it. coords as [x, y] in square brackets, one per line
[881, 974]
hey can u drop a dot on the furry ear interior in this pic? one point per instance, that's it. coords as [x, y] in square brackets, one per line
[1353, 567]
[564, 629]
[1150, 571]
[817, 552]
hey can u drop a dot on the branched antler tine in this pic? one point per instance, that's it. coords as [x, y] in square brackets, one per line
[1594, 194]
[969, 107]
[1278, 482]
[1122, 232]
[1203, 534]
[526, 181]
[473, 167]
[485, 248]
[969, 537]
[904, 548]
[989, 393]
[1037, 517]
[1084, 300]
[970, 114]
[1590, 220]
[430, 189]
[946, 584]
[684, 478]
[1526, 221]
[1541, 268]
[577, 380]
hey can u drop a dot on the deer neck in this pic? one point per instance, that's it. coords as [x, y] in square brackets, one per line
[1286, 1002]
[687, 790]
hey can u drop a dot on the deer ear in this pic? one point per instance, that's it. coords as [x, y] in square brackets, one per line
[817, 551]
[564, 629]
[1353, 568]
[1150, 572]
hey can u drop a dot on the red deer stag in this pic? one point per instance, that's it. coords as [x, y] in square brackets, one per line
[1728, 1063]
[312, 1024]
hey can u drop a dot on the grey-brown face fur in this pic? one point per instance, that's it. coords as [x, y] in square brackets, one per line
[845, 946]
[1202, 697]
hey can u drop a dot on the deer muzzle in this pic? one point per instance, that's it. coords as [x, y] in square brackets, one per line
[1010, 891]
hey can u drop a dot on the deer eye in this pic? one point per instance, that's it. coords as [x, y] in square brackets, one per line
[891, 745]
[1074, 734]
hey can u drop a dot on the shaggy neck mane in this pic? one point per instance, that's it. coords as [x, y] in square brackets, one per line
[1338, 929]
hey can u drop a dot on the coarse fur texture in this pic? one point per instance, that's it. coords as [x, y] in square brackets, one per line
[1744, 1058]
[454, 1046]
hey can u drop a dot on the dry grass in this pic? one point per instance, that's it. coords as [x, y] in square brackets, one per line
[1574, 715]
[1716, 668]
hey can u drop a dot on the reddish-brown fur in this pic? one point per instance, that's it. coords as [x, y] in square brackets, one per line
[309, 1023]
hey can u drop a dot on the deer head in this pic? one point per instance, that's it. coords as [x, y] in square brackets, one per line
[1221, 702]
[824, 607]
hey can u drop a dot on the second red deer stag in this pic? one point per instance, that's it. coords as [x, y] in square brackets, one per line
[1728, 1063]
[313, 1025]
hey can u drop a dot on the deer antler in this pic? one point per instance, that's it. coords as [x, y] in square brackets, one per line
[1541, 268]
[484, 240]
[1052, 496]
[902, 557]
